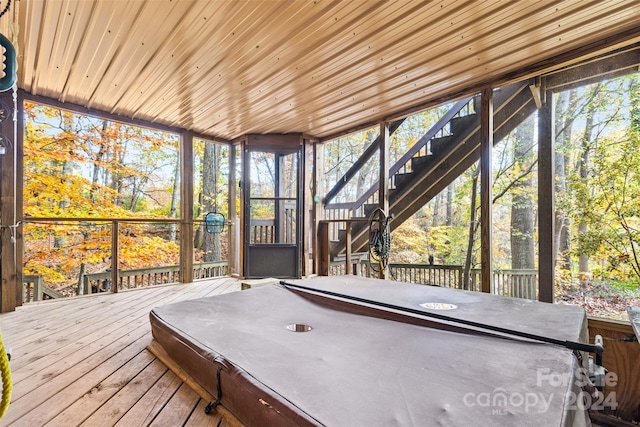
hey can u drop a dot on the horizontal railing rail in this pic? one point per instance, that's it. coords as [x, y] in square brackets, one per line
[513, 283]
[141, 277]
[35, 290]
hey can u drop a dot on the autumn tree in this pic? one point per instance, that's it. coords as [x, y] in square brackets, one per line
[77, 166]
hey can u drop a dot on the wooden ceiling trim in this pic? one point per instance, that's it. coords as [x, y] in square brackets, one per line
[625, 62]
[80, 109]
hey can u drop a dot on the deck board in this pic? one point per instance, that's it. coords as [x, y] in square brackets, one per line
[83, 361]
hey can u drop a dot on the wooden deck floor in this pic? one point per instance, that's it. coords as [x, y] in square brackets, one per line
[83, 361]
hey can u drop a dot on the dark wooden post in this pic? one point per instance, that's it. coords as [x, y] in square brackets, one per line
[10, 271]
[232, 256]
[307, 189]
[186, 207]
[546, 199]
[323, 248]
[318, 203]
[347, 252]
[115, 256]
[383, 188]
[245, 220]
[486, 184]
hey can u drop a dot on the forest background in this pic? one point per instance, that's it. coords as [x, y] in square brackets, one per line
[77, 166]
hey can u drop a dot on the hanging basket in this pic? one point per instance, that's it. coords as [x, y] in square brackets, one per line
[214, 222]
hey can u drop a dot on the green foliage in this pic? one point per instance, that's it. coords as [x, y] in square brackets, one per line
[604, 186]
[608, 200]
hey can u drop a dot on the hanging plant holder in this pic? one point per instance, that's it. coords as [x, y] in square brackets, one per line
[214, 222]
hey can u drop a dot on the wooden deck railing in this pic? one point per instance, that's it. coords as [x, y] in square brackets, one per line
[35, 290]
[267, 231]
[141, 277]
[448, 276]
[514, 283]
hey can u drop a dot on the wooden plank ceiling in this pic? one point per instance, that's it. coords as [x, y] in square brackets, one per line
[228, 68]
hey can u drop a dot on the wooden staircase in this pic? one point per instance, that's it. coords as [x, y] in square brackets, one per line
[448, 149]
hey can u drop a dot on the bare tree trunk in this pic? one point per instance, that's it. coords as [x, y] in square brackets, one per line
[564, 118]
[436, 211]
[583, 165]
[210, 168]
[80, 287]
[522, 241]
[472, 230]
[197, 239]
[117, 178]
[97, 161]
[58, 240]
[450, 189]
[174, 201]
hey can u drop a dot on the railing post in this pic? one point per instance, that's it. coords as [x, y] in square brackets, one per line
[383, 182]
[186, 207]
[86, 285]
[349, 266]
[323, 248]
[37, 288]
[115, 230]
[486, 184]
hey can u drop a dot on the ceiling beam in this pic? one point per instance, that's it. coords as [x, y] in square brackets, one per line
[79, 109]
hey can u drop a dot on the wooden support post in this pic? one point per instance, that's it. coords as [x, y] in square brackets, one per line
[232, 256]
[318, 205]
[383, 187]
[546, 199]
[115, 230]
[10, 288]
[323, 248]
[306, 203]
[349, 263]
[486, 184]
[244, 208]
[186, 207]
[19, 200]
[37, 288]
